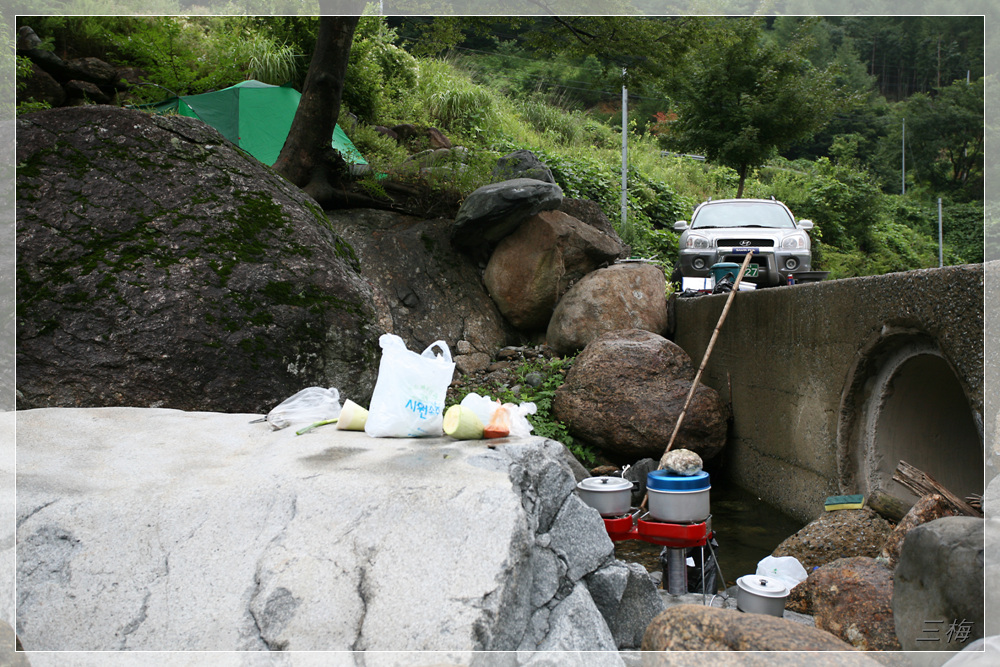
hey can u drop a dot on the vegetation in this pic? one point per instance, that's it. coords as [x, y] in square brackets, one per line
[741, 99]
[552, 85]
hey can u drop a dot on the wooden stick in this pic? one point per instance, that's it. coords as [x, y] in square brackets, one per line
[704, 362]
[923, 484]
[708, 352]
[888, 507]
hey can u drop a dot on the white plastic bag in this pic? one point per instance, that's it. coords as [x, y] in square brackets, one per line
[483, 406]
[308, 406]
[788, 569]
[520, 427]
[408, 401]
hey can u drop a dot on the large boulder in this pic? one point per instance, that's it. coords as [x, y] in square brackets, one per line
[495, 210]
[852, 599]
[159, 266]
[623, 296]
[689, 627]
[424, 290]
[589, 212]
[837, 534]
[154, 529]
[533, 267]
[625, 392]
[937, 599]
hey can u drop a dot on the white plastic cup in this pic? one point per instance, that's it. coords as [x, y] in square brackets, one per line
[352, 417]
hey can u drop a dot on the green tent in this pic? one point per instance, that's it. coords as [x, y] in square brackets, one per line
[253, 115]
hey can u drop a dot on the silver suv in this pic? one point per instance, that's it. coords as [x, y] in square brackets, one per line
[725, 230]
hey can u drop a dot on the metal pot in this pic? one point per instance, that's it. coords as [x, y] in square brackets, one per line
[611, 496]
[761, 595]
[678, 498]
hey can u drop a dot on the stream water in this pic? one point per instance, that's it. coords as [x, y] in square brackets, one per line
[746, 528]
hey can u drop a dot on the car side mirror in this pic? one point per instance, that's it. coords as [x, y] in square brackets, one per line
[805, 224]
[682, 226]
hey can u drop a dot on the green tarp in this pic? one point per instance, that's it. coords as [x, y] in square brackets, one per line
[253, 115]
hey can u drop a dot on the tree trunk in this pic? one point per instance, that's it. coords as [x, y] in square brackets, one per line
[312, 128]
[744, 168]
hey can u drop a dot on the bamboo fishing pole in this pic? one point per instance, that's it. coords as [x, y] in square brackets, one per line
[704, 362]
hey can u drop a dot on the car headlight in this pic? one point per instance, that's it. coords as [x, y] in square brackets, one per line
[795, 242]
[697, 242]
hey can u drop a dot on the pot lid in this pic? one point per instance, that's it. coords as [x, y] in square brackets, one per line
[661, 480]
[767, 587]
[604, 484]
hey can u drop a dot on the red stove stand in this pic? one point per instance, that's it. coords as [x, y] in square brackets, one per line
[673, 535]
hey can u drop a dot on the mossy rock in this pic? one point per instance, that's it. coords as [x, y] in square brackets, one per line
[157, 264]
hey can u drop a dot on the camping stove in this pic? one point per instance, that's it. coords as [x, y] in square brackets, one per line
[677, 537]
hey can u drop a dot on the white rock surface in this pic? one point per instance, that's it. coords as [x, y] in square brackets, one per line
[161, 530]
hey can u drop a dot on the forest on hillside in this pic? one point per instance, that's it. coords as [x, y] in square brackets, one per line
[859, 123]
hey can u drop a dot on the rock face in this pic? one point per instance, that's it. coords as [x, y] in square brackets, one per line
[157, 265]
[937, 597]
[699, 628]
[623, 296]
[926, 509]
[153, 529]
[625, 392]
[534, 266]
[852, 599]
[494, 211]
[837, 534]
[424, 290]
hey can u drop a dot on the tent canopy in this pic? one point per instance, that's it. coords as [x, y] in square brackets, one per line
[253, 115]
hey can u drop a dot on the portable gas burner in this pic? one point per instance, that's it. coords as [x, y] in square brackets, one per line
[678, 516]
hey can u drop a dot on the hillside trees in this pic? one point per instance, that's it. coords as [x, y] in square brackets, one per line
[741, 99]
[944, 141]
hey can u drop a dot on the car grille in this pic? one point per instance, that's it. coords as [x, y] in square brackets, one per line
[754, 243]
[738, 259]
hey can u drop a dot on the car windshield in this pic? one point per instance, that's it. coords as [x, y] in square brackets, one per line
[742, 214]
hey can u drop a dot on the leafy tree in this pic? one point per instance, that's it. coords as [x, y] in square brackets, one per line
[944, 139]
[742, 98]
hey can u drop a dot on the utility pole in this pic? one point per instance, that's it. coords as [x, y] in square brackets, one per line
[904, 156]
[624, 158]
[940, 236]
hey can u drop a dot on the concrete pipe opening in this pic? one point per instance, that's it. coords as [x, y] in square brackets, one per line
[910, 406]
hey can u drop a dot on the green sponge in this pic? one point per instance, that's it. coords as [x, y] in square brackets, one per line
[854, 502]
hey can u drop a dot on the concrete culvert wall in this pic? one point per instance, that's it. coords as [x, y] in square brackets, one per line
[832, 383]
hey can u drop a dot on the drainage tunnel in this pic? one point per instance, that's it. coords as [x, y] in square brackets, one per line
[911, 407]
